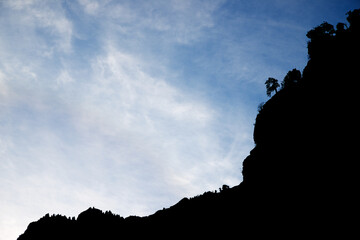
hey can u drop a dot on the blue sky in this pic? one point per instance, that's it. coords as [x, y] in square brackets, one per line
[129, 106]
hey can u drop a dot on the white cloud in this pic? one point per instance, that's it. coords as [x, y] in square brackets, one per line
[124, 136]
[20, 4]
[182, 22]
[147, 113]
[3, 87]
[64, 78]
[48, 16]
[120, 81]
[114, 133]
[90, 6]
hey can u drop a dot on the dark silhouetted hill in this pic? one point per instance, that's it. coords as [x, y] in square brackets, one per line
[300, 180]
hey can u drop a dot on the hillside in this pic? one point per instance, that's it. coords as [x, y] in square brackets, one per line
[298, 180]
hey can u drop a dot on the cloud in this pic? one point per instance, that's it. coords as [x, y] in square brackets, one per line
[124, 135]
[90, 6]
[144, 113]
[182, 22]
[123, 74]
[107, 119]
[4, 91]
[64, 78]
[50, 18]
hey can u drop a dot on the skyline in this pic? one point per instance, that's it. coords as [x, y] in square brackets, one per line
[130, 106]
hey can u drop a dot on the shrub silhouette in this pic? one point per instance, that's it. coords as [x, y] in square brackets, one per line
[291, 79]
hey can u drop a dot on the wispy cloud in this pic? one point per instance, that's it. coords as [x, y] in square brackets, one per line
[132, 105]
[110, 128]
[48, 19]
[179, 21]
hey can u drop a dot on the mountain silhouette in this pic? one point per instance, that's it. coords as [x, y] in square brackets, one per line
[298, 181]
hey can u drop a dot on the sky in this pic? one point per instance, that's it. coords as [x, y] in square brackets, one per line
[130, 106]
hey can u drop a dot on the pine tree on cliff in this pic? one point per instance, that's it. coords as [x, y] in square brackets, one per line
[271, 86]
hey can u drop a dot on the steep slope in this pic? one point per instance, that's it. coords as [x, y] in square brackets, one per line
[299, 180]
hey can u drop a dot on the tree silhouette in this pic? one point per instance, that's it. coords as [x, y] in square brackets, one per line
[291, 78]
[271, 86]
[354, 19]
[320, 32]
[320, 40]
